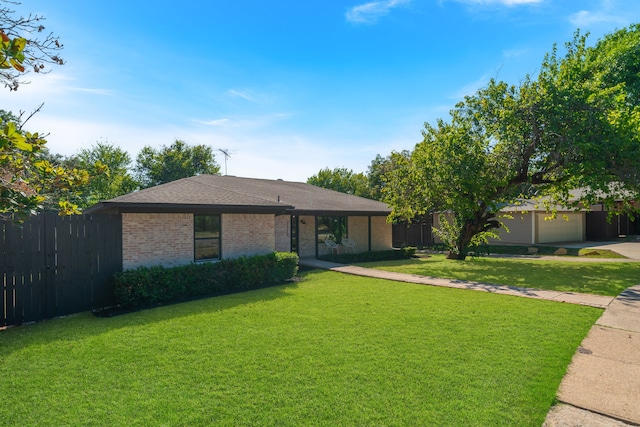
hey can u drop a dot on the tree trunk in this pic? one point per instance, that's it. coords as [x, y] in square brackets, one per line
[457, 256]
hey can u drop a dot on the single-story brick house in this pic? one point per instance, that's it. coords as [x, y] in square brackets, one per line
[210, 217]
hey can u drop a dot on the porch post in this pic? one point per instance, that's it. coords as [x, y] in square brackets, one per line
[369, 227]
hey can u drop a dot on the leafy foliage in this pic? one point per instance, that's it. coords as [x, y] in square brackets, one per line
[179, 160]
[379, 168]
[574, 127]
[152, 285]
[28, 181]
[109, 168]
[369, 185]
[343, 180]
[21, 48]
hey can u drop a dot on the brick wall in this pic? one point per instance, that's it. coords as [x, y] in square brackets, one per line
[381, 233]
[156, 238]
[358, 230]
[307, 236]
[283, 233]
[248, 234]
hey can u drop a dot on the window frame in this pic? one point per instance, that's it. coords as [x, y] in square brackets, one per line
[217, 239]
[333, 221]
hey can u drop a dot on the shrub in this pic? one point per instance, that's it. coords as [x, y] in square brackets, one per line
[144, 286]
[403, 253]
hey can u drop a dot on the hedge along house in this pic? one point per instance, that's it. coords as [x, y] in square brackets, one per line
[210, 217]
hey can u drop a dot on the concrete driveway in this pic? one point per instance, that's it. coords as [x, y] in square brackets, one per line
[630, 249]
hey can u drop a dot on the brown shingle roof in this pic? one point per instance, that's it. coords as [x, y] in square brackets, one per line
[234, 194]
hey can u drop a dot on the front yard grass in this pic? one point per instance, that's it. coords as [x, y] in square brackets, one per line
[331, 350]
[599, 278]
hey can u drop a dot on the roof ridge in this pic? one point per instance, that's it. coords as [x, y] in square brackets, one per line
[192, 178]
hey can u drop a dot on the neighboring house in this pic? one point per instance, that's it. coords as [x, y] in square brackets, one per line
[210, 217]
[532, 224]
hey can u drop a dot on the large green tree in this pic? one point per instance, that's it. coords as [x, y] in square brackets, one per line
[379, 168]
[577, 125]
[343, 180]
[109, 167]
[179, 160]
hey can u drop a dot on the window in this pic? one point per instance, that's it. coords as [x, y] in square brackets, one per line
[334, 227]
[206, 239]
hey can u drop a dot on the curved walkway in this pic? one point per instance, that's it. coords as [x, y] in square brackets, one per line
[599, 301]
[602, 385]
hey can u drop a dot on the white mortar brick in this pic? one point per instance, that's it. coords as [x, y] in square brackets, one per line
[359, 231]
[283, 233]
[247, 234]
[381, 234]
[307, 237]
[156, 239]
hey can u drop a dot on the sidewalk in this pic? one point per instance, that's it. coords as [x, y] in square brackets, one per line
[604, 375]
[602, 384]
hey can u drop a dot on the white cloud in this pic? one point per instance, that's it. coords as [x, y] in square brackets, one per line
[586, 18]
[252, 122]
[43, 85]
[609, 13]
[249, 95]
[369, 12]
[215, 122]
[241, 94]
[470, 88]
[516, 53]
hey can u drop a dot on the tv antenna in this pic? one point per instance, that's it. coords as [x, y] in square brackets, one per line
[225, 152]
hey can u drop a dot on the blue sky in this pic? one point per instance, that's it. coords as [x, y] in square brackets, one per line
[288, 87]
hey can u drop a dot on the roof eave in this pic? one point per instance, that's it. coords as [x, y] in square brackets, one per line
[107, 207]
[327, 212]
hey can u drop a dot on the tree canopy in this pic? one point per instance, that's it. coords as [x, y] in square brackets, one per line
[575, 126]
[28, 181]
[108, 166]
[381, 167]
[179, 160]
[343, 180]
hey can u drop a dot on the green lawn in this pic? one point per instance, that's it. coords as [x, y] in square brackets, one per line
[600, 278]
[331, 350]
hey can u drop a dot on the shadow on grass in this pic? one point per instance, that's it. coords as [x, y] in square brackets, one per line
[80, 326]
[608, 279]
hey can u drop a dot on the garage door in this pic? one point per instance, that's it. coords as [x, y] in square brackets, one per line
[560, 229]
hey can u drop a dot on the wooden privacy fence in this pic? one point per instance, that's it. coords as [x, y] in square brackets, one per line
[53, 266]
[418, 234]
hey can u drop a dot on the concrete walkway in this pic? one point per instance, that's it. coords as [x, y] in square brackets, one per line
[569, 297]
[602, 384]
[604, 375]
